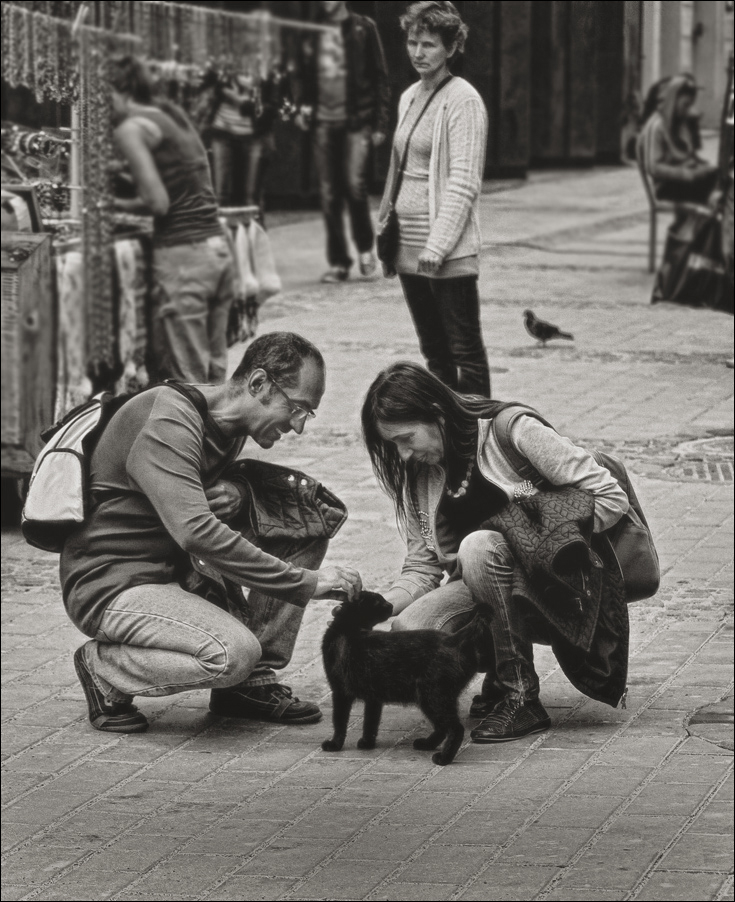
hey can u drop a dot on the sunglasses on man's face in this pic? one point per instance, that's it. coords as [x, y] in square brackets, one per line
[298, 413]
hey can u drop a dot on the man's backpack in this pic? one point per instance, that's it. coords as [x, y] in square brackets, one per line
[630, 538]
[58, 498]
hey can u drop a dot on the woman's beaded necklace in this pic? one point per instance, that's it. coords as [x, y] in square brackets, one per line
[464, 485]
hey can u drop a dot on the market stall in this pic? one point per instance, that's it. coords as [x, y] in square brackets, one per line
[59, 188]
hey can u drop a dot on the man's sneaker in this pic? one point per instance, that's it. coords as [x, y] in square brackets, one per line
[336, 274]
[512, 720]
[270, 702]
[368, 263]
[120, 717]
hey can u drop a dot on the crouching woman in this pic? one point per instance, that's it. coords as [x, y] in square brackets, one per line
[535, 561]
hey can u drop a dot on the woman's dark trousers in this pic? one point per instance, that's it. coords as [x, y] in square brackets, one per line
[446, 314]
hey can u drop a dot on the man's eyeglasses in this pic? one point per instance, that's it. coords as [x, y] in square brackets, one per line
[298, 413]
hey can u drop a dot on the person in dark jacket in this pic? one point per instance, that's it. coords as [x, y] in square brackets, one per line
[437, 454]
[343, 96]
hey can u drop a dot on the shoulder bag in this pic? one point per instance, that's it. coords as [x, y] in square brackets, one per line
[389, 236]
[630, 538]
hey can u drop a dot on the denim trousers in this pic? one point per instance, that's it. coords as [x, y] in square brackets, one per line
[485, 579]
[156, 640]
[193, 290]
[342, 158]
[446, 315]
[239, 166]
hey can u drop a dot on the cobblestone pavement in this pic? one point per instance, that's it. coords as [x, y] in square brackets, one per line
[631, 803]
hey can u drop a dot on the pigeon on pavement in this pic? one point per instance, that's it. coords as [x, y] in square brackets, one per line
[541, 330]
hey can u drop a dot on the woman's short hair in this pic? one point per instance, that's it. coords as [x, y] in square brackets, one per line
[437, 17]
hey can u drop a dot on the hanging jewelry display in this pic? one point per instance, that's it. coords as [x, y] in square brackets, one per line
[15, 49]
[7, 42]
[186, 48]
[40, 44]
[199, 35]
[26, 71]
[96, 123]
[53, 70]
[144, 26]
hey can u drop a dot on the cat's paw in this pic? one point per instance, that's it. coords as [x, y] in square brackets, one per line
[425, 744]
[363, 743]
[442, 759]
[332, 745]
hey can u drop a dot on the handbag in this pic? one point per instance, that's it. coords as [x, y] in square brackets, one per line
[389, 236]
[630, 538]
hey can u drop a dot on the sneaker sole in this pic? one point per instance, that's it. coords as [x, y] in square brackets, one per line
[226, 711]
[538, 729]
[125, 724]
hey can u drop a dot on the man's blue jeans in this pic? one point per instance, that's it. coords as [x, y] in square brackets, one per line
[193, 290]
[341, 158]
[156, 640]
[485, 569]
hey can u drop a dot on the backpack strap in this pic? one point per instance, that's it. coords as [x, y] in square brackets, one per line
[192, 393]
[501, 425]
[112, 405]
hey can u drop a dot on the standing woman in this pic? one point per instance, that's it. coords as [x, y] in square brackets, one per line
[193, 271]
[441, 139]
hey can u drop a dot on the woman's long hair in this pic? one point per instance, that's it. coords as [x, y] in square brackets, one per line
[408, 393]
[130, 75]
[676, 130]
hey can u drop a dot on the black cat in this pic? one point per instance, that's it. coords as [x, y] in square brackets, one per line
[427, 668]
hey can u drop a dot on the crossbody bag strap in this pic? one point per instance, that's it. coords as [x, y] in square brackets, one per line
[404, 159]
[501, 426]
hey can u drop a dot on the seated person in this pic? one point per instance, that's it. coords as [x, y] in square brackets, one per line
[679, 174]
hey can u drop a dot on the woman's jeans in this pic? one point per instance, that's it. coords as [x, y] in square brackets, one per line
[485, 569]
[193, 290]
[342, 158]
[446, 314]
[158, 640]
[239, 165]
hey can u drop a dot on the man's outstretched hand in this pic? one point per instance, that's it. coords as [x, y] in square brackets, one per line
[337, 579]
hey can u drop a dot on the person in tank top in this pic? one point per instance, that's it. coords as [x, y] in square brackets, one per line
[193, 270]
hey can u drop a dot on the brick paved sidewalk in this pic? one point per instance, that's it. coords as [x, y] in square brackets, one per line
[609, 804]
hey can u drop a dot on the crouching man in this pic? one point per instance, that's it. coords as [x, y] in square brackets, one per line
[157, 499]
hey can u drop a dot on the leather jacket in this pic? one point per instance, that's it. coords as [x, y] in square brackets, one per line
[368, 89]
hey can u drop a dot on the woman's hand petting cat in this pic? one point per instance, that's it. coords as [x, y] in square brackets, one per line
[337, 579]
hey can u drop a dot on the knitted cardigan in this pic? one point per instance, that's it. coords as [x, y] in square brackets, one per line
[455, 172]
